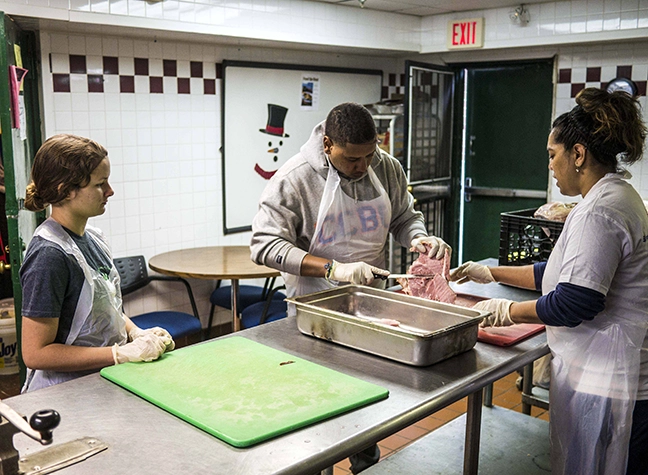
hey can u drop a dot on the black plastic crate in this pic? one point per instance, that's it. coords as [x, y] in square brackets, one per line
[525, 239]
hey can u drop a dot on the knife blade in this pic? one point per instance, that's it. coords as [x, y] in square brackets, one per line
[410, 276]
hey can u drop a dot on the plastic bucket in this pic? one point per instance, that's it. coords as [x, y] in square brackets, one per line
[8, 342]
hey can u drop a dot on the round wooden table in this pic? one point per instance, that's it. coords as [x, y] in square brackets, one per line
[213, 263]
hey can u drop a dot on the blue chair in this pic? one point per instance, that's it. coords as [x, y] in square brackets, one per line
[262, 312]
[248, 295]
[134, 276]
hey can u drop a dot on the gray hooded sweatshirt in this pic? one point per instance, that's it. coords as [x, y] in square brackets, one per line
[285, 223]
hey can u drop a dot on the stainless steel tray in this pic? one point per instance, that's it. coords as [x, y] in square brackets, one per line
[350, 315]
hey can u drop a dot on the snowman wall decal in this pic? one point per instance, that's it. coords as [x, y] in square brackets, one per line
[275, 128]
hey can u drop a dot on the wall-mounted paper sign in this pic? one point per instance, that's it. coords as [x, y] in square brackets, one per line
[310, 91]
[466, 33]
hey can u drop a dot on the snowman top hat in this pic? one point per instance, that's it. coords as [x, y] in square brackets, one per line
[276, 117]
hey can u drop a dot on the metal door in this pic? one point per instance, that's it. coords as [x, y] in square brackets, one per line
[506, 120]
[429, 104]
[21, 137]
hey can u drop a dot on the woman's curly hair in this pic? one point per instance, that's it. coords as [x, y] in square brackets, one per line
[608, 124]
[62, 164]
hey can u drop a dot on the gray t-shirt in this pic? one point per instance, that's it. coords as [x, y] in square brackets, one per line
[52, 280]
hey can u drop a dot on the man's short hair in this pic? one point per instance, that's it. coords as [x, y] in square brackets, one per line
[350, 123]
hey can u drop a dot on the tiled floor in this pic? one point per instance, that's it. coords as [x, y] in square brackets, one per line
[505, 394]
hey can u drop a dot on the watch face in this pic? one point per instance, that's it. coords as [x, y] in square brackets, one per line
[622, 84]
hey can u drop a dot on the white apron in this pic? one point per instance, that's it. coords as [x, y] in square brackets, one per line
[98, 317]
[594, 379]
[594, 382]
[347, 230]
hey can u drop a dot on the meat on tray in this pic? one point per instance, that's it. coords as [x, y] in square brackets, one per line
[432, 288]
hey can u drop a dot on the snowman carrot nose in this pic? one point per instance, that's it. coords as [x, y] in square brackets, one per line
[273, 150]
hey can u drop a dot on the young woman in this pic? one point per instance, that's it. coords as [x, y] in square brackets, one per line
[72, 322]
[595, 292]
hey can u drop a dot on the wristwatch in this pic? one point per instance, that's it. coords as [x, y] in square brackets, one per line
[329, 268]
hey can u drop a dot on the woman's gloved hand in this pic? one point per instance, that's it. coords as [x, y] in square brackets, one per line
[355, 272]
[472, 271]
[500, 310]
[137, 332]
[145, 348]
[436, 245]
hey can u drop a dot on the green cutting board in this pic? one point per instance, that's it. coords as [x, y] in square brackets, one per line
[241, 391]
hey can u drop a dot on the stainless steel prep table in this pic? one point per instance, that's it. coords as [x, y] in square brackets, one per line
[144, 439]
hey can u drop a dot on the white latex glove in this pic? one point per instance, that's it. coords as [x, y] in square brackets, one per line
[472, 271]
[437, 246]
[500, 310]
[145, 348]
[137, 332]
[355, 272]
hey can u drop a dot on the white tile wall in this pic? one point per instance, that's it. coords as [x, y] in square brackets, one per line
[164, 145]
[282, 20]
[551, 23]
[164, 148]
[607, 57]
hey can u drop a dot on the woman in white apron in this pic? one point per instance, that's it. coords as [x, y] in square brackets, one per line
[72, 322]
[595, 297]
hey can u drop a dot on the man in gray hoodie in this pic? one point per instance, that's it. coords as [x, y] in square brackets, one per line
[324, 218]
[359, 192]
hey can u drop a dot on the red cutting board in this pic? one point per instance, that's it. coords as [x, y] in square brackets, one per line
[506, 336]
[500, 336]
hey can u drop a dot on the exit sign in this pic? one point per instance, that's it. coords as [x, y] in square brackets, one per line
[467, 33]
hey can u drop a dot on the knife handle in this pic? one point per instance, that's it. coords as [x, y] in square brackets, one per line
[380, 276]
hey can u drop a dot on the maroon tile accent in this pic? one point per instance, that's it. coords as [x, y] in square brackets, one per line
[155, 83]
[183, 86]
[384, 93]
[170, 67]
[78, 64]
[641, 87]
[126, 83]
[576, 88]
[402, 79]
[141, 67]
[110, 65]
[95, 83]
[196, 68]
[434, 91]
[209, 86]
[219, 70]
[61, 82]
[624, 72]
[593, 74]
[426, 79]
[564, 76]
[392, 79]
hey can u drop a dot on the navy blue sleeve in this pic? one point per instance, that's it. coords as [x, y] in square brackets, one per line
[568, 305]
[538, 274]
